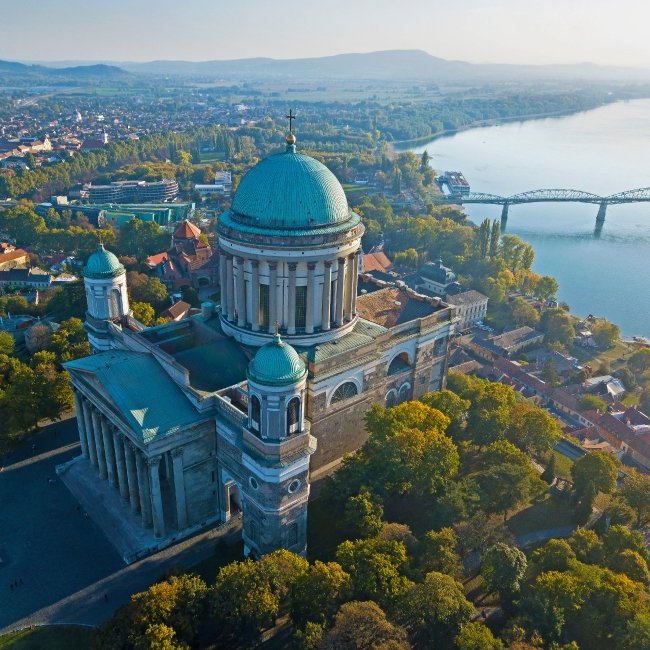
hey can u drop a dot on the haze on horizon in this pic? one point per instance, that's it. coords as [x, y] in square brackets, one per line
[605, 32]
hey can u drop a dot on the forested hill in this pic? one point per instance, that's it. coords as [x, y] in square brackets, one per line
[11, 71]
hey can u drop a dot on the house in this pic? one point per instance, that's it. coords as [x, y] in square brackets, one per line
[177, 311]
[13, 258]
[26, 277]
[376, 262]
[506, 344]
[471, 307]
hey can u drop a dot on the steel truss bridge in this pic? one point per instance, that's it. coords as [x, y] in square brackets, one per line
[549, 196]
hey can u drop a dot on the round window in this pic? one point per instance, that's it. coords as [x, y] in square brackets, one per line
[294, 485]
[253, 483]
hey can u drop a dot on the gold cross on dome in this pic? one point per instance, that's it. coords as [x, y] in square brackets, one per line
[277, 328]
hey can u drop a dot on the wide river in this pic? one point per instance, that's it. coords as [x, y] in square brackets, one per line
[603, 151]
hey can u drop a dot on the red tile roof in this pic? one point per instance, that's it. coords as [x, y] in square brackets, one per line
[376, 262]
[187, 230]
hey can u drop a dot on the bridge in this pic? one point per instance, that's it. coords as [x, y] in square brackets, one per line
[549, 196]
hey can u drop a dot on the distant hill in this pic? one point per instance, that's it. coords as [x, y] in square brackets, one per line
[385, 65]
[95, 71]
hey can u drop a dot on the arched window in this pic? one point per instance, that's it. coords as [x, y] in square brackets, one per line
[114, 303]
[404, 393]
[255, 413]
[293, 415]
[399, 364]
[344, 391]
[390, 399]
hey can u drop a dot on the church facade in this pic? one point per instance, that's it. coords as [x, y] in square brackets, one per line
[235, 411]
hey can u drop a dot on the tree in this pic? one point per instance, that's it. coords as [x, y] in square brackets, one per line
[524, 314]
[145, 289]
[158, 637]
[532, 429]
[364, 512]
[451, 405]
[363, 626]
[190, 296]
[397, 181]
[636, 635]
[636, 492]
[481, 532]
[143, 312]
[557, 327]
[374, 566]
[503, 567]
[317, 594]
[592, 403]
[439, 553]
[15, 305]
[639, 362]
[243, 600]
[597, 468]
[495, 237]
[618, 539]
[38, 338]
[7, 343]
[628, 379]
[606, 334]
[547, 288]
[475, 636]
[631, 564]
[489, 416]
[70, 341]
[483, 238]
[555, 555]
[435, 609]
[424, 162]
[587, 547]
[549, 373]
[548, 475]
[644, 400]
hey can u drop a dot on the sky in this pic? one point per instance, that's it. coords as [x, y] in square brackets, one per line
[607, 32]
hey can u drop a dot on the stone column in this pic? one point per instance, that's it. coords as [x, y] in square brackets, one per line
[241, 293]
[99, 442]
[109, 451]
[156, 497]
[132, 476]
[349, 294]
[78, 407]
[90, 433]
[120, 464]
[255, 295]
[291, 325]
[223, 280]
[273, 295]
[311, 290]
[230, 293]
[143, 487]
[326, 307]
[340, 293]
[179, 488]
[355, 281]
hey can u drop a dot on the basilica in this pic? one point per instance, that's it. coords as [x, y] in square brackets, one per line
[232, 412]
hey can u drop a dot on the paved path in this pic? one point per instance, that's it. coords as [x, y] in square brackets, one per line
[65, 562]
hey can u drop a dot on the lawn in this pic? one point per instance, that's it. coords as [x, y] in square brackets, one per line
[358, 189]
[562, 465]
[51, 637]
[547, 513]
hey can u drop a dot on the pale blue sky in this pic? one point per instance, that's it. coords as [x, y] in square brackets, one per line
[496, 31]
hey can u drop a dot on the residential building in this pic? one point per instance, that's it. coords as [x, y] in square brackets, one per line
[471, 307]
[126, 191]
[506, 344]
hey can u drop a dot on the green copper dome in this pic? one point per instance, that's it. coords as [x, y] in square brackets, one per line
[290, 190]
[276, 364]
[103, 264]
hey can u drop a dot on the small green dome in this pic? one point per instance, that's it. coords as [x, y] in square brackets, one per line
[276, 364]
[103, 264]
[290, 190]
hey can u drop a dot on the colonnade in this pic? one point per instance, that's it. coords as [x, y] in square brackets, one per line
[127, 468]
[241, 293]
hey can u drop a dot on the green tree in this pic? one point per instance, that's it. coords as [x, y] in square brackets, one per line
[548, 475]
[557, 327]
[15, 305]
[70, 341]
[7, 343]
[547, 288]
[317, 594]
[639, 362]
[439, 553]
[450, 405]
[158, 637]
[375, 568]
[592, 403]
[587, 547]
[636, 492]
[644, 400]
[397, 181]
[555, 555]
[628, 379]
[424, 162]
[483, 238]
[363, 626]
[550, 374]
[489, 417]
[524, 314]
[495, 238]
[631, 564]
[475, 636]
[435, 610]
[532, 429]
[503, 567]
[364, 512]
[597, 468]
[145, 289]
[143, 312]
[636, 635]
[606, 334]
[618, 539]
[190, 296]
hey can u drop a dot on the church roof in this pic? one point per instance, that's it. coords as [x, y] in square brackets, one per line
[437, 272]
[146, 396]
[276, 364]
[290, 190]
[103, 264]
[187, 230]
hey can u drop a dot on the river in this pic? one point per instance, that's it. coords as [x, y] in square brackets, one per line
[603, 151]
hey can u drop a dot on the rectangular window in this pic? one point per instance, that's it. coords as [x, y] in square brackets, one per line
[213, 477]
[292, 535]
[301, 307]
[254, 532]
[264, 305]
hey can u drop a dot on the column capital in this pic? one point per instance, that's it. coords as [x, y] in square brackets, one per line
[311, 265]
[240, 260]
[154, 461]
[273, 265]
[255, 264]
[341, 261]
[292, 266]
[228, 255]
[178, 452]
[328, 264]
[351, 256]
